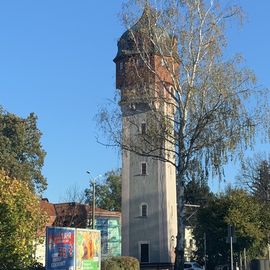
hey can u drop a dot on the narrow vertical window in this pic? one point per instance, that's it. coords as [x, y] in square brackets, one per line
[140, 62]
[121, 65]
[143, 128]
[144, 210]
[163, 63]
[143, 168]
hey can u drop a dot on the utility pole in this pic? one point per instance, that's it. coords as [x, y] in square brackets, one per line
[231, 244]
[240, 261]
[94, 204]
[231, 239]
[231, 253]
[204, 245]
[245, 259]
[93, 182]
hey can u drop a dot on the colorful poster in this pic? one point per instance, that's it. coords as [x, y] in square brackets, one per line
[88, 256]
[114, 235]
[102, 225]
[60, 248]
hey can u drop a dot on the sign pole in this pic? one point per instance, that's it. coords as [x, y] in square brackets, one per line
[231, 244]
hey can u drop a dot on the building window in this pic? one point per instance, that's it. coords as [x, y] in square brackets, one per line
[132, 106]
[143, 128]
[140, 62]
[144, 210]
[143, 168]
[121, 65]
[163, 63]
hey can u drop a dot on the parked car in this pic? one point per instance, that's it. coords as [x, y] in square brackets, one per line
[192, 266]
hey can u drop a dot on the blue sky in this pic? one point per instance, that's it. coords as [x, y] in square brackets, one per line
[56, 60]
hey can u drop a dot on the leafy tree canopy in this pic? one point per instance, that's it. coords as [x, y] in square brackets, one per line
[254, 176]
[108, 192]
[197, 192]
[21, 153]
[239, 209]
[21, 220]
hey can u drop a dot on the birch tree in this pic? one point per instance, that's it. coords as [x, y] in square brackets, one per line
[206, 112]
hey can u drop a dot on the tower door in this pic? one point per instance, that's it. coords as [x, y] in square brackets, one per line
[144, 253]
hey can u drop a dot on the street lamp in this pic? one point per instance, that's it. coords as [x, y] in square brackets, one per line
[94, 198]
[93, 201]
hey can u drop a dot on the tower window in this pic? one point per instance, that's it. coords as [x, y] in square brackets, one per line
[132, 106]
[163, 63]
[143, 128]
[143, 168]
[140, 62]
[144, 210]
[121, 65]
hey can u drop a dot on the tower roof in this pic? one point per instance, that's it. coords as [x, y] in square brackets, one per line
[144, 36]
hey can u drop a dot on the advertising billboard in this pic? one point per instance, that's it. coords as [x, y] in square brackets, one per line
[60, 248]
[88, 249]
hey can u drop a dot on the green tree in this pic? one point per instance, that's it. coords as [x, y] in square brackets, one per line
[245, 214]
[197, 192]
[21, 222]
[108, 192]
[239, 209]
[21, 153]
[254, 176]
[198, 116]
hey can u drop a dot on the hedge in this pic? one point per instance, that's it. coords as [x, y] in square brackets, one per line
[120, 263]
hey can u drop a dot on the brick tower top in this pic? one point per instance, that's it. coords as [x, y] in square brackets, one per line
[146, 55]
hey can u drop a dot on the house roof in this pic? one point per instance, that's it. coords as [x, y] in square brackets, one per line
[61, 208]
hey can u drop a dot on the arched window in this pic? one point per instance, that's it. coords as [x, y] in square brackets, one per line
[144, 210]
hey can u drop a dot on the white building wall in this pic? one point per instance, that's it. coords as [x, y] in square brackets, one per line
[157, 190]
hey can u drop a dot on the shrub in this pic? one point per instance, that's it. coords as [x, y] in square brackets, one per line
[21, 223]
[120, 263]
[37, 266]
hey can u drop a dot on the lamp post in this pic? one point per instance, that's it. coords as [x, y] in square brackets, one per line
[93, 200]
[93, 182]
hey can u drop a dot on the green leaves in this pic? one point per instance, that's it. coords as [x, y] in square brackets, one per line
[21, 153]
[21, 223]
[239, 209]
[108, 192]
